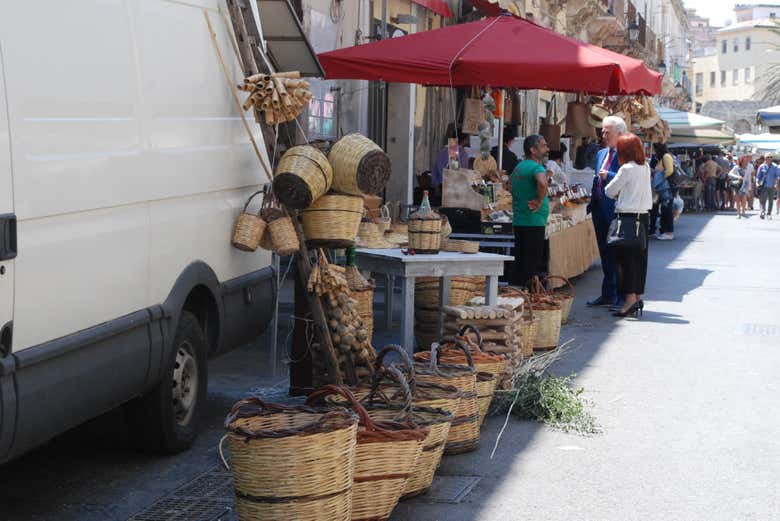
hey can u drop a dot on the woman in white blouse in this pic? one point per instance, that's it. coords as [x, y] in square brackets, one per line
[631, 188]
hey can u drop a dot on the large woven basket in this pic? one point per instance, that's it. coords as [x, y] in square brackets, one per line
[482, 361]
[424, 234]
[302, 176]
[332, 221]
[566, 299]
[249, 228]
[385, 457]
[360, 166]
[291, 462]
[439, 421]
[548, 310]
[464, 434]
[427, 292]
[486, 387]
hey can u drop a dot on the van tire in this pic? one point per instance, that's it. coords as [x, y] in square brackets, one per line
[167, 418]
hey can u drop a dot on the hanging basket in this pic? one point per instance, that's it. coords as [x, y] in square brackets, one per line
[486, 387]
[291, 462]
[464, 434]
[566, 299]
[284, 240]
[360, 166]
[332, 221]
[385, 457]
[302, 176]
[249, 228]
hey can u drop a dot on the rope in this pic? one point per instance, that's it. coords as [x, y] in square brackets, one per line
[452, 64]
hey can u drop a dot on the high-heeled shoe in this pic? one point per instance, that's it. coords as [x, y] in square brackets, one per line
[635, 310]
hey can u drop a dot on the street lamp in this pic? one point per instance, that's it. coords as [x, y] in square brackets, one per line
[661, 67]
[633, 32]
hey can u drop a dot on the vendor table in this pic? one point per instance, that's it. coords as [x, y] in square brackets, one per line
[393, 263]
[573, 250]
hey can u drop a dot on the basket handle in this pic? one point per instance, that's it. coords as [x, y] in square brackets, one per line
[397, 376]
[246, 205]
[340, 390]
[448, 340]
[564, 279]
[473, 328]
[256, 404]
[406, 361]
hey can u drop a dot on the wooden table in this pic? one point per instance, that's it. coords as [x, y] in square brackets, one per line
[393, 264]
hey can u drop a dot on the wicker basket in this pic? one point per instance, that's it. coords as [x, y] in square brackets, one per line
[548, 310]
[360, 166]
[566, 299]
[291, 462]
[461, 246]
[332, 221]
[486, 387]
[464, 434]
[249, 228]
[302, 176]
[385, 457]
[483, 362]
[446, 228]
[284, 240]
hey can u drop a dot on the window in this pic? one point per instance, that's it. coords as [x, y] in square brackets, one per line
[699, 83]
[736, 44]
[747, 43]
[722, 78]
[735, 77]
[322, 115]
[712, 79]
[698, 108]
[724, 46]
[747, 75]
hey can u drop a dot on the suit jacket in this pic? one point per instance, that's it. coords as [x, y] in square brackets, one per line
[601, 206]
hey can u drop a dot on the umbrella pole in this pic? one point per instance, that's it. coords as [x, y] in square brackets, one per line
[500, 144]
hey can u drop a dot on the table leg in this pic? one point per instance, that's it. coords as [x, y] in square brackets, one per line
[390, 283]
[407, 315]
[444, 299]
[491, 291]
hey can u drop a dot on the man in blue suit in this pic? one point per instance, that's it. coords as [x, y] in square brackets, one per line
[602, 208]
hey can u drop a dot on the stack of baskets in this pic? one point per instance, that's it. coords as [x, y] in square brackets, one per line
[425, 397]
[389, 445]
[566, 299]
[464, 434]
[292, 462]
[548, 310]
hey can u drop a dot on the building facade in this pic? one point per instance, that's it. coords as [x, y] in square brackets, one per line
[728, 83]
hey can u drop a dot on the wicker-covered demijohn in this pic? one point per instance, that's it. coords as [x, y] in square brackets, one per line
[291, 462]
[360, 166]
[332, 221]
[302, 176]
[425, 229]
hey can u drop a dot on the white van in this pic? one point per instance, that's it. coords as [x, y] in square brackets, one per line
[123, 164]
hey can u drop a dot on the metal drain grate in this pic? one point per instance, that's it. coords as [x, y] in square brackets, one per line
[451, 489]
[765, 330]
[209, 497]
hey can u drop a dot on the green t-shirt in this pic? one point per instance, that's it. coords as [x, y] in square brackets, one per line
[523, 190]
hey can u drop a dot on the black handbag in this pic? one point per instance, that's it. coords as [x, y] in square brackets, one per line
[626, 231]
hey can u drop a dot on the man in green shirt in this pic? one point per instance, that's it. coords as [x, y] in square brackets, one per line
[530, 209]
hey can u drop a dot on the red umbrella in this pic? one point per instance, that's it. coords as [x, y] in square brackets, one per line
[501, 52]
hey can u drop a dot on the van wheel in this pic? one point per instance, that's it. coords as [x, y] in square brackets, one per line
[167, 418]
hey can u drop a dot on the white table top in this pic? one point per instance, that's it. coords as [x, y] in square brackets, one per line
[395, 255]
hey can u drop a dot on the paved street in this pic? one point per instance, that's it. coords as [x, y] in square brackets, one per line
[687, 398]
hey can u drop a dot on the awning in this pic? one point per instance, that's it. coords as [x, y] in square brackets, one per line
[679, 119]
[761, 142]
[701, 136]
[769, 116]
[286, 44]
[437, 6]
[502, 51]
